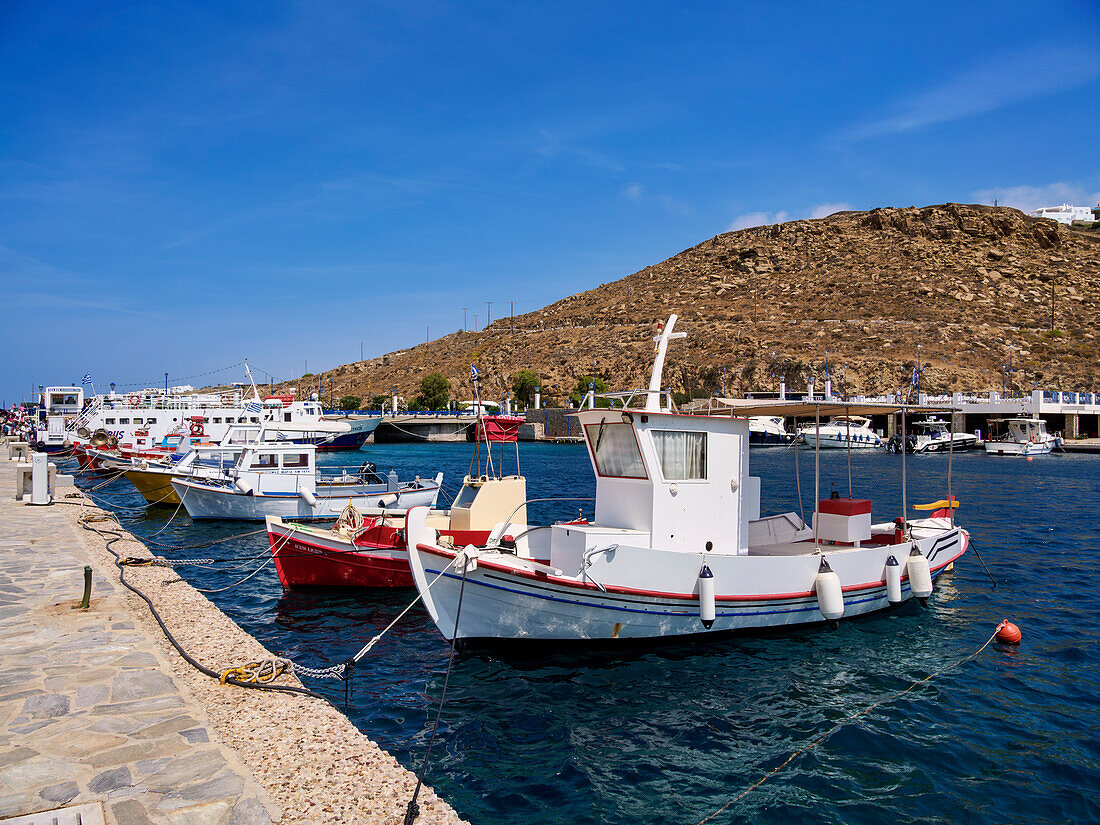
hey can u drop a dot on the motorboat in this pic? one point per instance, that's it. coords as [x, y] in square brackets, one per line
[362, 550]
[768, 431]
[1021, 436]
[272, 479]
[933, 435]
[679, 547]
[844, 431]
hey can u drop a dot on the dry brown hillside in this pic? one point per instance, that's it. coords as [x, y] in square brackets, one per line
[966, 282]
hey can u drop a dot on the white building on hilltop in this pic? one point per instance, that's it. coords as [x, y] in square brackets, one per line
[1065, 213]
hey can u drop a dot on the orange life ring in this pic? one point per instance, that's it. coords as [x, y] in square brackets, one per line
[135, 400]
[196, 428]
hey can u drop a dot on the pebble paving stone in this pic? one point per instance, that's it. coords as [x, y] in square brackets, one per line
[95, 705]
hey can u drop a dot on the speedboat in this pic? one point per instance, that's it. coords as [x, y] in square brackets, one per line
[768, 431]
[1021, 436]
[679, 547]
[932, 436]
[846, 431]
[282, 480]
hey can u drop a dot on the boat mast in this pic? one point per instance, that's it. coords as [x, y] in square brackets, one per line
[248, 372]
[653, 397]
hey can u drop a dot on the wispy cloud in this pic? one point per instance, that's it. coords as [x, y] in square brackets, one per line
[561, 147]
[821, 210]
[1027, 198]
[824, 210]
[1003, 81]
[674, 206]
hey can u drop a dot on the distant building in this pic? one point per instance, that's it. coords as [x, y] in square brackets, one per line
[1065, 213]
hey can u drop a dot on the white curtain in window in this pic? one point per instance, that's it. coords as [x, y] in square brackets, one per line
[683, 455]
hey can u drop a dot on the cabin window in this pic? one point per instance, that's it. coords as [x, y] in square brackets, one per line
[137, 420]
[264, 461]
[150, 421]
[286, 416]
[254, 419]
[616, 450]
[466, 496]
[296, 460]
[683, 455]
[124, 421]
[108, 421]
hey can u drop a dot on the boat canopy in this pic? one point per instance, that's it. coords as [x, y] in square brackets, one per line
[810, 409]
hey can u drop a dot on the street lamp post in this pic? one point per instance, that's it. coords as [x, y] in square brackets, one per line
[773, 373]
[741, 382]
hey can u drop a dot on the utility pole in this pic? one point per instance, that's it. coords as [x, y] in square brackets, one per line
[488, 313]
[360, 350]
[427, 335]
[475, 322]
[464, 327]
[512, 315]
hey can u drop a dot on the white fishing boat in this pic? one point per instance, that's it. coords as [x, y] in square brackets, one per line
[679, 547]
[842, 431]
[282, 480]
[933, 435]
[1021, 436]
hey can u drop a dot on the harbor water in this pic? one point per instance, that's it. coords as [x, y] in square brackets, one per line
[671, 735]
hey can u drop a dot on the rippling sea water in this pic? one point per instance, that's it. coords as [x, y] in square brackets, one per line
[673, 734]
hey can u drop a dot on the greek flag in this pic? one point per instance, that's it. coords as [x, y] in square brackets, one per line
[473, 372]
[254, 407]
[87, 379]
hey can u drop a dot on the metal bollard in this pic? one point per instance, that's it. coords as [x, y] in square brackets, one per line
[84, 602]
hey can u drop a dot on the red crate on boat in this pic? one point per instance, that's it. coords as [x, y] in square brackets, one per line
[499, 428]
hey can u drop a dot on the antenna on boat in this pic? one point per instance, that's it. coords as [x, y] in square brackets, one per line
[653, 396]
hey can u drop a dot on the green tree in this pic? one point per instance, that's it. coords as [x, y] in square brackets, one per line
[377, 402]
[435, 392]
[350, 402]
[524, 384]
[581, 390]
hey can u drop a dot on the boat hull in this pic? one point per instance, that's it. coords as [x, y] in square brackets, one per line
[310, 558]
[155, 487]
[502, 604]
[204, 501]
[1025, 448]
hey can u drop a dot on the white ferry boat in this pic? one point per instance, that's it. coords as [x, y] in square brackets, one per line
[208, 417]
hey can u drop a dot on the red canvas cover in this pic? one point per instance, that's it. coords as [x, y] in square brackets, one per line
[497, 428]
[844, 506]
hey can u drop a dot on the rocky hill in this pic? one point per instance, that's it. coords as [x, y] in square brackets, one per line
[970, 284]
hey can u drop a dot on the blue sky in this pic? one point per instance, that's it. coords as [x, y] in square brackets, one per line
[186, 185]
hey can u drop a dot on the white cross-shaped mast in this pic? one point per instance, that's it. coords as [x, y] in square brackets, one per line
[653, 397]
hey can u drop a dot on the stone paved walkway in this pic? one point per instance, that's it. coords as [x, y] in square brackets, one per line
[96, 707]
[86, 710]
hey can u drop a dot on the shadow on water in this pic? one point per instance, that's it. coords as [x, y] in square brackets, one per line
[671, 734]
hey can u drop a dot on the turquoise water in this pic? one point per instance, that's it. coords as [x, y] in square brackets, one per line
[671, 735]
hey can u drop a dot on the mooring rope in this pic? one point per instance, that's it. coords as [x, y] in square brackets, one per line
[813, 744]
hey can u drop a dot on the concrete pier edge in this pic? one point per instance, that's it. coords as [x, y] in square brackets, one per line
[97, 707]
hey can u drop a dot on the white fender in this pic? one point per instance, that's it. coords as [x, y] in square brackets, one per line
[387, 500]
[308, 497]
[418, 532]
[243, 486]
[706, 596]
[893, 581]
[920, 576]
[830, 595]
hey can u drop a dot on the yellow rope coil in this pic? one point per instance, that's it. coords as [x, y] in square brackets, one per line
[258, 672]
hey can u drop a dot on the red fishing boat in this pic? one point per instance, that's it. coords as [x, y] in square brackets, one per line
[368, 549]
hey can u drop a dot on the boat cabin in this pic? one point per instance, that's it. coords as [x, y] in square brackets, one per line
[678, 482]
[1019, 430]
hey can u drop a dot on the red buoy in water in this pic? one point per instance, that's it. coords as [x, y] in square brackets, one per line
[1007, 633]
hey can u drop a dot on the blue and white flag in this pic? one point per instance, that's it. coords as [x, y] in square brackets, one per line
[254, 407]
[87, 379]
[473, 372]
